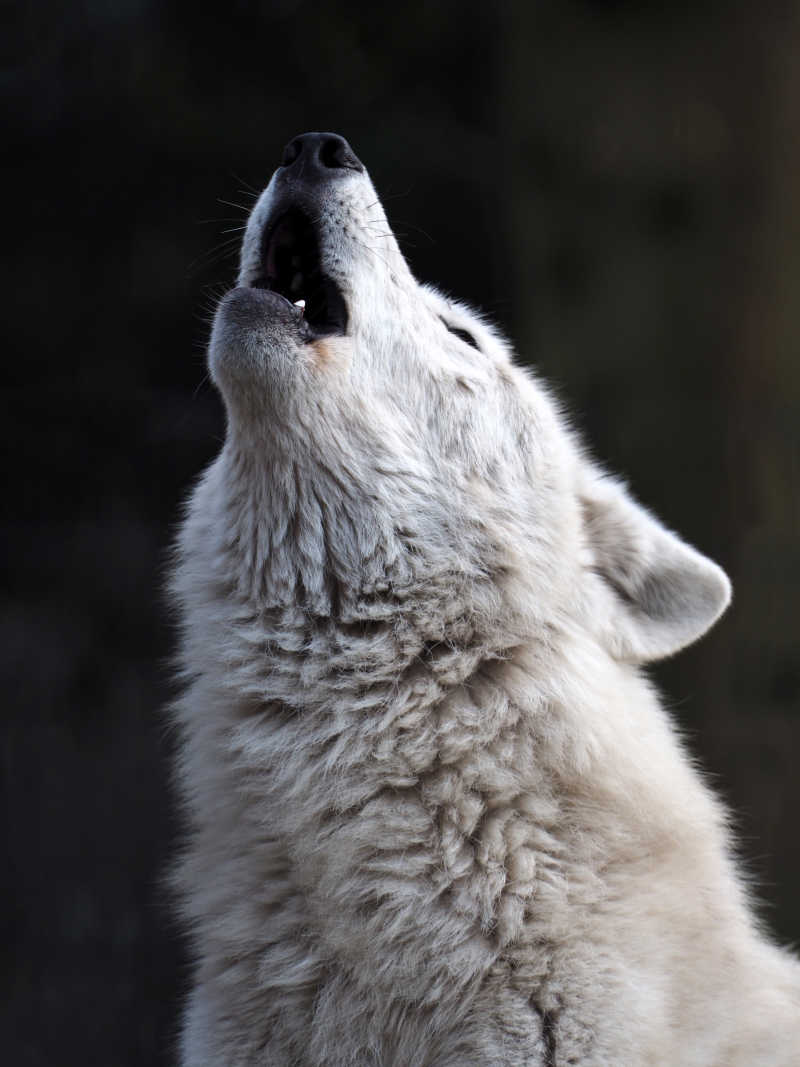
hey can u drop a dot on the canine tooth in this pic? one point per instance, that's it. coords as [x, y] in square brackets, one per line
[300, 304]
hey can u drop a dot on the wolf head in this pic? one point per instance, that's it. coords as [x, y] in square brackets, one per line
[385, 458]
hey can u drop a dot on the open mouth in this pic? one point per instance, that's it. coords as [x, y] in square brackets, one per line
[290, 267]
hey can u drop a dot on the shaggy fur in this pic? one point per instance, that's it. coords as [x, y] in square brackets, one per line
[437, 815]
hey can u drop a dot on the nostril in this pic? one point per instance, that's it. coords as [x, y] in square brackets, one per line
[291, 152]
[336, 153]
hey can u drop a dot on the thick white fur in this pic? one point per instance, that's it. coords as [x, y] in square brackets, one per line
[438, 816]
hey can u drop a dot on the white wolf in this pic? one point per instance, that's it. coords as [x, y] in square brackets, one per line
[438, 816]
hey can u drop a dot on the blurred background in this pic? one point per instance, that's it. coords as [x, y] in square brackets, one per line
[617, 185]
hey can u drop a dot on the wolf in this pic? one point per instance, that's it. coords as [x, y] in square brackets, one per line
[436, 813]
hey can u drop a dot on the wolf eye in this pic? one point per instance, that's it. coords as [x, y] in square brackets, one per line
[464, 335]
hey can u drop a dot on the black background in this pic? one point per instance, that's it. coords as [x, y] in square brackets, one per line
[616, 184]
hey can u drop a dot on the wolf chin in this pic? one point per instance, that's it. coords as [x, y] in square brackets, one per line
[437, 815]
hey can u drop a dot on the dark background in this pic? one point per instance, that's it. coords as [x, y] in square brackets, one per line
[616, 184]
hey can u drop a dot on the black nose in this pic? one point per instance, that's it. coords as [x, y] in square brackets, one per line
[319, 156]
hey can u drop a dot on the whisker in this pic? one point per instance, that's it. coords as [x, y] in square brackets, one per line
[213, 258]
[227, 243]
[390, 196]
[248, 188]
[228, 218]
[230, 203]
[373, 251]
[413, 226]
[205, 380]
[215, 255]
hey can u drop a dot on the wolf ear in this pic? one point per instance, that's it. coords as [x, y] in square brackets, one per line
[659, 594]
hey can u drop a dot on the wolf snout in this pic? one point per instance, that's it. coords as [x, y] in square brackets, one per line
[318, 157]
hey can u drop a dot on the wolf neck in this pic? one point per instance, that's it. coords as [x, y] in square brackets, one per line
[294, 530]
[332, 588]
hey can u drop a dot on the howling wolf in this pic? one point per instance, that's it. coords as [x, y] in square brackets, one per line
[437, 815]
